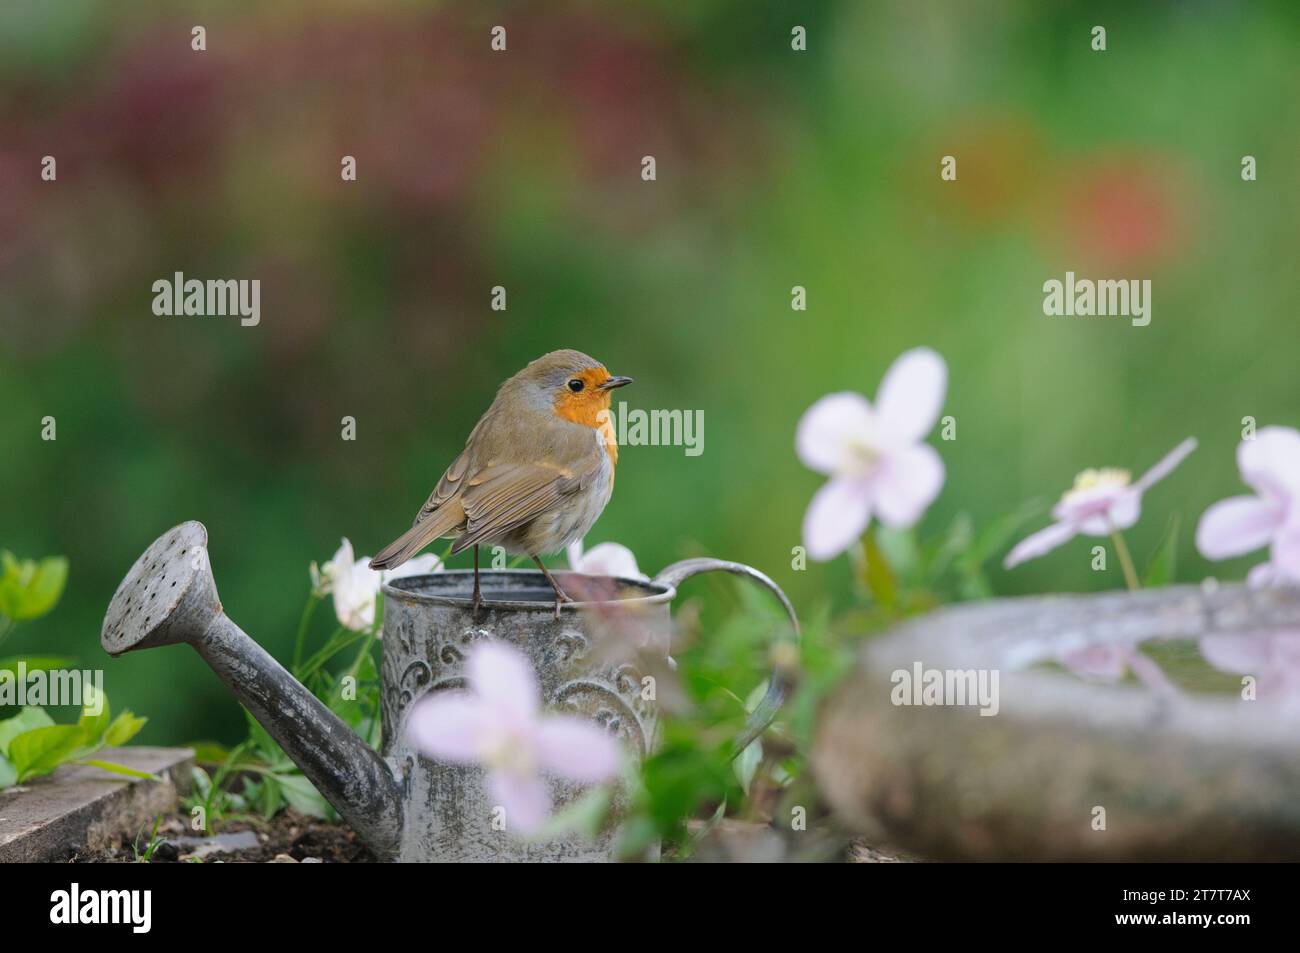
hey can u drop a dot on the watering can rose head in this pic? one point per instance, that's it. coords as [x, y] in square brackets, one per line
[499, 724]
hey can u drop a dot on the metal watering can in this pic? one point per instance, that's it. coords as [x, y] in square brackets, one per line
[403, 805]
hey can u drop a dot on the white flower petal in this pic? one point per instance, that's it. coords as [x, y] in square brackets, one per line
[830, 427]
[1079, 504]
[1039, 544]
[354, 598]
[1270, 463]
[447, 726]
[503, 678]
[610, 559]
[577, 749]
[574, 554]
[525, 798]
[1150, 674]
[1165, 466]
[911, 394]
[419, 566]
[906, 484]
[838, 515]
[1237, 525]
[1242, 654]
[1123, 512]
[1106, 662]
[343, 558]
[1284, 554]
[1261, 576]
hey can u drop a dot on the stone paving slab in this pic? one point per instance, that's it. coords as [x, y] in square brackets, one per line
[79, 807]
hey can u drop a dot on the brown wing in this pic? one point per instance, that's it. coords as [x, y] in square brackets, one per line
[440, 515]
[447, 487]
[506, 496]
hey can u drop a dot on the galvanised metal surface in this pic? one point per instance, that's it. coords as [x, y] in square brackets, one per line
[590, 658]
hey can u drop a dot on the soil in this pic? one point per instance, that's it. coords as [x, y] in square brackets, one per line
[295, 838]
[288, 838]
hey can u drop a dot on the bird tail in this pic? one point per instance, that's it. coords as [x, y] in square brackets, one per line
[441, 521]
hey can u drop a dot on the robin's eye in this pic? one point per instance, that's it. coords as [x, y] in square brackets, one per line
[575, 385]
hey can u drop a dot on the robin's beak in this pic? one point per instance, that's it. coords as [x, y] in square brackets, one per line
[614, 382]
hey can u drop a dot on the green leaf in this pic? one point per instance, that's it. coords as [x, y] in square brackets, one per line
[116, 768]
[366, 670]
[8, 773]
[93, 725]
[28, 718]
[303, 796]
[637, 835]
[202, 782]
[263, 795]
[956, 539]
[997, 535]
[124, 727]
[1164, 561]
[584, 816]
[208, 752]
[746, 766]
[264, 745]
[29, 589]
[41, 750]
[899, 549]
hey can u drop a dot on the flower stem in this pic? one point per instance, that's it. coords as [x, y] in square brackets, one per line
[337, 642]
[878, 575]
[1125, 560]
[355, 667]
[312, 602]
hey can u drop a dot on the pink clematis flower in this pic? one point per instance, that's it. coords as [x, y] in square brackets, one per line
[1108, 663]
[1099, 503]
[1270, 465]
[873, 455]
[1273, 658]
[498, 724]
[604, 559]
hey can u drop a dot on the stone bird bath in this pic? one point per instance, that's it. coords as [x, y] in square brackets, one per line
[1182, 776]
[403, 805]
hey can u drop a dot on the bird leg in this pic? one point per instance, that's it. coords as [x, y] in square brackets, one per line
[477, 595]
[560, 594]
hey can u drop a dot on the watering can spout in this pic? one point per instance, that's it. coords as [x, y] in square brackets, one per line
[169, 596]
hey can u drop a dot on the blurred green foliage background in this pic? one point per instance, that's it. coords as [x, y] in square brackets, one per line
[522, 169]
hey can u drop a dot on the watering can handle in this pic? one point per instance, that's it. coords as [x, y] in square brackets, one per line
[779, 684]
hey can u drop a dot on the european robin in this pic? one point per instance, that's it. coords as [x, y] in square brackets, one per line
[536, 471]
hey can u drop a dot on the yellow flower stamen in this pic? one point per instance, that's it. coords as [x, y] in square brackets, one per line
[1092, 479]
